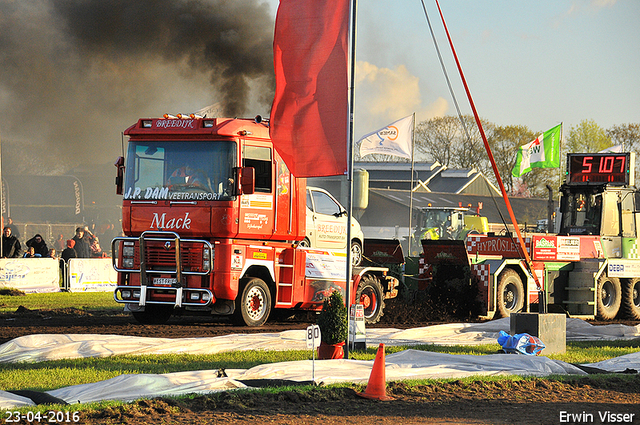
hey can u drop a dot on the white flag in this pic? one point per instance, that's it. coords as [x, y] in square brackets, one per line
[394, 139]
[612, 149]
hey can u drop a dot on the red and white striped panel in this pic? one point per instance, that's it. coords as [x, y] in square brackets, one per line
[482, 271]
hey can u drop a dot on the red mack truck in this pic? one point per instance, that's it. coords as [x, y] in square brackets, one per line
[213, 219]
[590, 269]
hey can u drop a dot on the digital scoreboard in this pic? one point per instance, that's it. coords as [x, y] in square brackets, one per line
[599, 168]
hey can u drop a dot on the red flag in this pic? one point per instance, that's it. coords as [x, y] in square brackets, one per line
[308, 123]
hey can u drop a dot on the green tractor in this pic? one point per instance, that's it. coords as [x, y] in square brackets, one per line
[451, 223]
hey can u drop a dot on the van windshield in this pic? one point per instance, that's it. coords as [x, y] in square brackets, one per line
[180, 170]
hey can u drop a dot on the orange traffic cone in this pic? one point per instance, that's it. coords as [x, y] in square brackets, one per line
[377, 385]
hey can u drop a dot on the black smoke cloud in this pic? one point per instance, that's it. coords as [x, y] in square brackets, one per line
[75, 73]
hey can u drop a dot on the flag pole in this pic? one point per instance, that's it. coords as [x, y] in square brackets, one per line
[413, 132]
[352, 98]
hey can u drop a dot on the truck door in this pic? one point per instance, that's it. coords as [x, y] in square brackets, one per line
[327, 220]
[257, 209]
[610, 227]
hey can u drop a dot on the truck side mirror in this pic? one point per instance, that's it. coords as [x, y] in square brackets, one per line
[246, 181]
[120, 175]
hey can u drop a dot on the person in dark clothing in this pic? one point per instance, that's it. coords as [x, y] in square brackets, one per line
[14, 229]
[10, 244]
[82, 246]
[39, 245]
[69, 252]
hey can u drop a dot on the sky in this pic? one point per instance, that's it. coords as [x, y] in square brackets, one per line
[532, 63]
[75, 73]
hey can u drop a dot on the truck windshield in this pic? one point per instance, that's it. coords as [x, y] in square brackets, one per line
[582, 214]
[184, 170]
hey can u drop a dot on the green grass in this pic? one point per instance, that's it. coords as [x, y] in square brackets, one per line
[80, 300]
[50, 375]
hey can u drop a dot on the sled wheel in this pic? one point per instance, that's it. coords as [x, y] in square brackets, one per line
[371, 296]
[254, 303]
[510, 294]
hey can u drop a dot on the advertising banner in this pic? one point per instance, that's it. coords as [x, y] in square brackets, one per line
[30, 275]
[92, 275]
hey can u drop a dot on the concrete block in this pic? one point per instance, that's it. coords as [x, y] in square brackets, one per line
[550, 328]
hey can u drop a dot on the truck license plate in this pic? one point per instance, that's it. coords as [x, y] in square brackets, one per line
[164, 281]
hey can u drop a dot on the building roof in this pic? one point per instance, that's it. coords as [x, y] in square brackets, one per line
[389, 207]
[427, 177]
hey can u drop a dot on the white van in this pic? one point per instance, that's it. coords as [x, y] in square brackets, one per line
[327, 225]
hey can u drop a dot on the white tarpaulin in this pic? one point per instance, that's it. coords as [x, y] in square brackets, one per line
[408, 364]
[35, 348]
[30, 275]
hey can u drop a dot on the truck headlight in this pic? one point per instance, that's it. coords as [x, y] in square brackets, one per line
[206, 259]
[127, 263]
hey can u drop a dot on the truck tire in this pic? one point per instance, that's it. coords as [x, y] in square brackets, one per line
[305, 243]
[356, 253]
[631, 298]
[608, 298]
[254, 303]
[153, 314]
[371, 296]
[510, 294]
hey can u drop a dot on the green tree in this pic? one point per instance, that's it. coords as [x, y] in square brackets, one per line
[504, 143]
[587, 137]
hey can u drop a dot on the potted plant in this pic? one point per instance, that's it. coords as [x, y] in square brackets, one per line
[333, 327]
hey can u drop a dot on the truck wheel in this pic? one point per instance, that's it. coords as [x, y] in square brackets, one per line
[631, 298]
[356, 253]
[608, 298]
[153, 314]
[510, 294]
[305, 243]
[254, 303]
[371, 296]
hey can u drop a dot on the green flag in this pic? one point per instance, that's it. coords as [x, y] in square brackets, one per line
[544, 152]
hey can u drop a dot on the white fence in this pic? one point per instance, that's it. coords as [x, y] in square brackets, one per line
[35, 275]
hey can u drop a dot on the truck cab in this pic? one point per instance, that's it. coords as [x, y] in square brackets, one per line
[213, 221]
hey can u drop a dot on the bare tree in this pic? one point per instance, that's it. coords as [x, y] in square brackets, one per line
[445, 140]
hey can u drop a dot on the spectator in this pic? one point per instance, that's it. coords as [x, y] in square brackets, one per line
[89, 236]
[39, 245]
[60, 244]
[14, 229]
[52, 253]
[31, 253]
[96, 251]
[10, 244]
[69, 252]
[82, 246]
